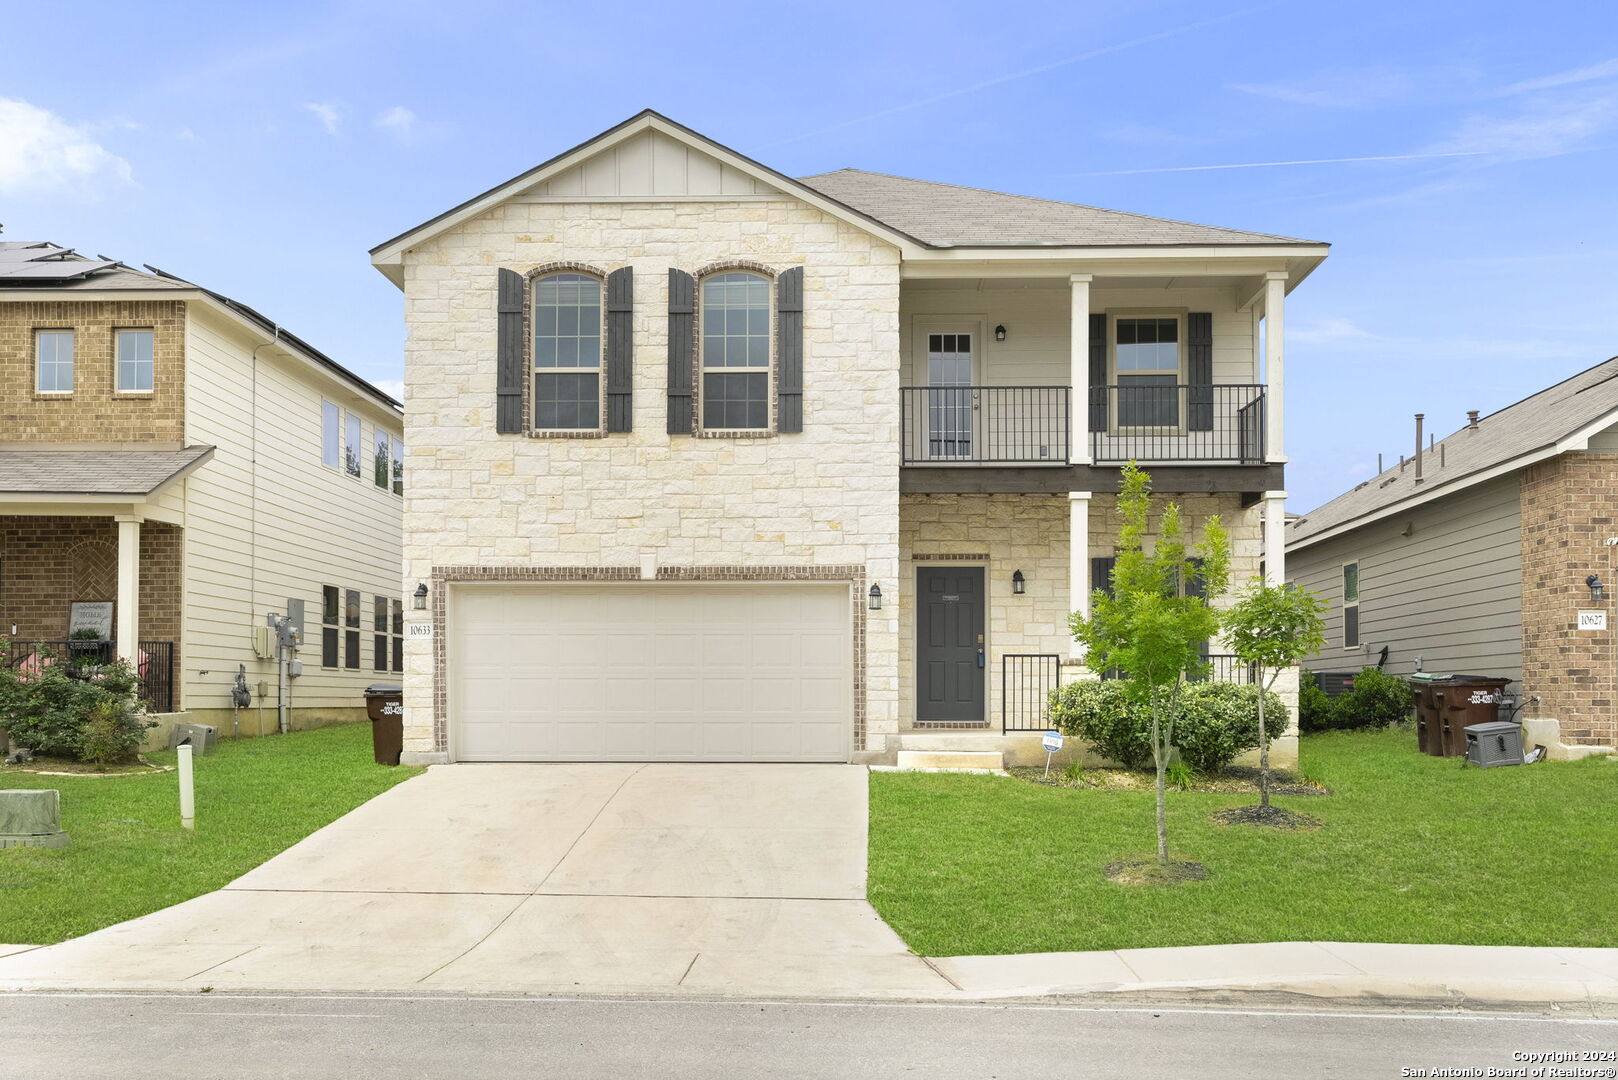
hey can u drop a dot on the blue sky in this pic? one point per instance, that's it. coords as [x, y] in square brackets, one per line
[262, 149]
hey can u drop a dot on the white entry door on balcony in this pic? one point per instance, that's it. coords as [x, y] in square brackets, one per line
[951, 399]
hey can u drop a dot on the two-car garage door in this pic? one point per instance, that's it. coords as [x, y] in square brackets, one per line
[650, 672]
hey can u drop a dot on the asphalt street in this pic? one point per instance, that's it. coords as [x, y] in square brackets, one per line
[355, 1037]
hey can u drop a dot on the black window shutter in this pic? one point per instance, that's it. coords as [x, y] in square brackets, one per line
[682, 335]
[508, 408]
[789, 316]
[1098, 371]
[1101, 572]
[620, 349]
[1199, 370]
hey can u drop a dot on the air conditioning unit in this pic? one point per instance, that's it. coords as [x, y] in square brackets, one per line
[264, 642]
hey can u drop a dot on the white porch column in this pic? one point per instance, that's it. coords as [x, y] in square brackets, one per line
[127, 625]
[1078, 439]
[1078, 569]
[1275, 537]
[1275, 293]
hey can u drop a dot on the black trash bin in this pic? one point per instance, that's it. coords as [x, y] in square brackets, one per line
[384, 702]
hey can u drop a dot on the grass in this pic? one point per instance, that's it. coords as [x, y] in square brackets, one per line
[129, 856]
[1413, 849]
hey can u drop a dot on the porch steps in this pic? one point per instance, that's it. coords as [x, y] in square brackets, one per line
[955, 760]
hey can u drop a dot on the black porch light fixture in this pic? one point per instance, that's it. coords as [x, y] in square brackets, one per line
[1000, 332]
[419, 597]
[1598, 591]
[1017, 582]
[876, 598]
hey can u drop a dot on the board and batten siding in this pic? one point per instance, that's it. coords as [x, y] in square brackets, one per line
[1449, 593]
[258, 536]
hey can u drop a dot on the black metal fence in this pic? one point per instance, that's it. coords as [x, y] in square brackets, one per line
[1226, 668]
[1146, 421]
[946, 425]
[1026, 683]
[153, 662]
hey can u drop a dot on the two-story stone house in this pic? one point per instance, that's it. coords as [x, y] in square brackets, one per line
[174, 466]
[709, 463]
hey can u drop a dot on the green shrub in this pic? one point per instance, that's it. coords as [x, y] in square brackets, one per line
[48, 703]
[1316, 711]
[1180, 774]
[1377, 700]
[1217, 724]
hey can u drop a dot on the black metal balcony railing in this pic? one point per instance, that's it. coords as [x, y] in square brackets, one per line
[1027, 681]
[1029, 425]
[1175, 422]
[153, 663]
[1025, 425]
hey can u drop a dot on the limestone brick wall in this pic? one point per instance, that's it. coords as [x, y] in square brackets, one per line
[1567, 513]
[826, 496]
[94, 411]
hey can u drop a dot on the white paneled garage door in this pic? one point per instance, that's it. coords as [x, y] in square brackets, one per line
[655, 672]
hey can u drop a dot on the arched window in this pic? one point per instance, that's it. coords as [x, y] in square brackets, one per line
[735, 351]
[567, 352]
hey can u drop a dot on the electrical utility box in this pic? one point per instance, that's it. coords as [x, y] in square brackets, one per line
[201, 737]
[1497, 742]
[264, 642]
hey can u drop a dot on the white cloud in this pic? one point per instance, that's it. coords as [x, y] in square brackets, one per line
[327, 114]
[39, 151]
[1545, 127]
[1344, 88]
[1329, 331]
[1607, 69]
[399, 122]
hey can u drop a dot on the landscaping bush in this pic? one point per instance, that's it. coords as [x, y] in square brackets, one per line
[1316, 711]
[1377, 700]
[89, 712]
[1218, 722]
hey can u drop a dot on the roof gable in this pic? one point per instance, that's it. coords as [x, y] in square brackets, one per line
[647, 164]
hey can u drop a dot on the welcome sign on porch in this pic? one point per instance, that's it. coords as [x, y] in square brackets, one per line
[93, 615]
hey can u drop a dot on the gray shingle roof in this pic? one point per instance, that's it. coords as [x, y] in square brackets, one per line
[94, 472]
[944, 215]
[1534, 423]
[41, 264]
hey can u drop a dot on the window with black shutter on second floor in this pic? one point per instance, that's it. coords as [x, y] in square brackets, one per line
[567, 352]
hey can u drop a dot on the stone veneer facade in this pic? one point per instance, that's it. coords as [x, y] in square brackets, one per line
[95, 412]
[1568, 511]
[485, 505]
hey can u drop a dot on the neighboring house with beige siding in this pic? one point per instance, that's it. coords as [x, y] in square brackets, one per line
[711, 463]
[173, 467]
[1472, 557]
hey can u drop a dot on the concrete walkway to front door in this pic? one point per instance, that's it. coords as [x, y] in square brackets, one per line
[577, 878]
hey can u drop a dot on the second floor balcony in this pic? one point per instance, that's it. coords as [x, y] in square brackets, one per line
[1145, 421]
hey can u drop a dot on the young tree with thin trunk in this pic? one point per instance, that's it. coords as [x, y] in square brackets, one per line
[1272, 627]
[1149, 626]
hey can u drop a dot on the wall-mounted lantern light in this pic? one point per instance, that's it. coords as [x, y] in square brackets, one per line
[876, 598]
[419, 597]
[1000, 332]
[1017, 582]
[1598, 591]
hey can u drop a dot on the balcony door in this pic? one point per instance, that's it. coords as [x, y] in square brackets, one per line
[951, 398]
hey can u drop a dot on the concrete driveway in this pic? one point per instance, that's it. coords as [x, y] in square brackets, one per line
[600, 878]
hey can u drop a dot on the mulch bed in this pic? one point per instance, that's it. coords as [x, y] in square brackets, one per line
[49, 766]
[1152, 872]
[1269, 817]
[1236, 780]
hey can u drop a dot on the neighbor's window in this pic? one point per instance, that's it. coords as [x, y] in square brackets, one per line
[351, 636]
[398, 635]
[381, 460]
[1351, 605]
[331, 441]
[735, 352]
[567, 352]
[329, 617]
[1147, 364]
[398, 465]
[134, 361]
[351, 444]
[53, 361]
[379, 627]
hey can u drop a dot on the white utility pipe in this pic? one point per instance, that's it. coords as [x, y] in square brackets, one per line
[188, 791]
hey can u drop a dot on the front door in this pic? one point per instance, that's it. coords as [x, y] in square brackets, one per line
[949, 644]
[951, 401]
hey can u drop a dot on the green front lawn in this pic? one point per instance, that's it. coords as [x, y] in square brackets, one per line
[1414, 849]
[129, 856]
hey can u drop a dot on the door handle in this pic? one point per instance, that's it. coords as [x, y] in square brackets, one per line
[980, 658]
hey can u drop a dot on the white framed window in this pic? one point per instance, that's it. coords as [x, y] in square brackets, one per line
[567, 352]
[735, 337]
[1147, 358]
[134, 360]
[53, 361]
[1351, 605]
[353, 448]
[381, 460]
[398, 465]
[331, 437]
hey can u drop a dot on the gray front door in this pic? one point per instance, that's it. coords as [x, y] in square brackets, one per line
[949, 644]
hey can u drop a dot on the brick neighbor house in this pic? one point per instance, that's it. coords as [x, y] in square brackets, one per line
[173, 466]
[1474, 556]
[711, 463]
